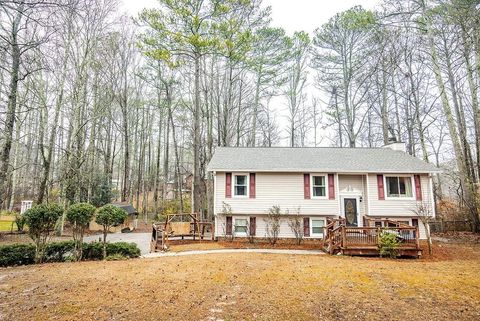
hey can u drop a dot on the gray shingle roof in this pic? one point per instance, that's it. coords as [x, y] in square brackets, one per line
[323, 159]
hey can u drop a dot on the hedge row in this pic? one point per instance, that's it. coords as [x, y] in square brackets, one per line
[22, 254]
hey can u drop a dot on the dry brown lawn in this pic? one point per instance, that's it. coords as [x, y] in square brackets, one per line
[248, 286]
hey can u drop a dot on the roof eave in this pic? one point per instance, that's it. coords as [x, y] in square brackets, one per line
[316, 170]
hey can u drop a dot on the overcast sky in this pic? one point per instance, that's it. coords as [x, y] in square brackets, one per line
[292, 15]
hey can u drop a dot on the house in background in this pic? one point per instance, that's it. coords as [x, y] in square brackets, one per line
[366, 186]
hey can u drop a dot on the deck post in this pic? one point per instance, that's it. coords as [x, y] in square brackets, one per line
[417, 238]
[378, 236]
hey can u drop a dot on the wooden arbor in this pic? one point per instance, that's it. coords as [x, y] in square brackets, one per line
[179, 225]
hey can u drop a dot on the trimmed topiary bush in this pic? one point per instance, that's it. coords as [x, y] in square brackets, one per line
[41, 220]
[79, 216]
[108, 216]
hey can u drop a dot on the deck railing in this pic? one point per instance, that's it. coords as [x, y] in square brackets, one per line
[338, 236]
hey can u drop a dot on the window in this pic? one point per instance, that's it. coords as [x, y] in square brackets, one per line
[318, 186]
[240, 185]
[398, 186]
[317, 227]
[378, 223]
[240, 226]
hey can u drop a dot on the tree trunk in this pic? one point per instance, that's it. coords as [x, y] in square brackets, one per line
[466, 182]
[11, 105]
[197, 194]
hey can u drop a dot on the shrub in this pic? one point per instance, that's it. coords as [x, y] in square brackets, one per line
[41, 220]
[296, 226]
[125, 249]
[23, 254]
[7, 213]
[108, 216]
[79, 215]
[273, 224]
[92, 251]
[20, 222]
[115, 257]
[388, 244]
[59, 251]
[17, 254]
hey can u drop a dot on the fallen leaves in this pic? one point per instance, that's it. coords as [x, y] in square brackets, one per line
[246, 286]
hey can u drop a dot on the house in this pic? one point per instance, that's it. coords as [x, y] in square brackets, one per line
[365, 186]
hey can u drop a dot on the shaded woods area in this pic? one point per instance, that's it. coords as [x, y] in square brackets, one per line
[96, 106]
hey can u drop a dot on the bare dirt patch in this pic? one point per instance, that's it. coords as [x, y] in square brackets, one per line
[246, 286]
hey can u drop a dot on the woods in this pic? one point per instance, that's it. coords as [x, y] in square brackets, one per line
[98, 106]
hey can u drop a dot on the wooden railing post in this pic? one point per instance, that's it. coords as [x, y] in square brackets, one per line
[378, 236]
[417, 238]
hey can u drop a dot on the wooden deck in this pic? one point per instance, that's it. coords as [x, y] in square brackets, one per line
[348, 240]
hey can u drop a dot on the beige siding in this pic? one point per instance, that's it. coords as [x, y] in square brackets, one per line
[284, 190]
[396, 207]
[261, 222]
[350, 181]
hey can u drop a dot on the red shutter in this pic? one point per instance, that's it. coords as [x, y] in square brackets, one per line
[306, 186]
[331, 186]
[253, 226]
[306, 226]
[228, 228]
[418, 187]
[252, 185]
[381, 188]
[228, 185]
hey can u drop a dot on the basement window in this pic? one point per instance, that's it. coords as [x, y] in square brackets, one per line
[241, 226]
[317, 227]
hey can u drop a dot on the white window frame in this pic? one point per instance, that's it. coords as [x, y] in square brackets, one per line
[312, 234]
[234, 223]
[247, 185]
[325, 177]
[412, 183]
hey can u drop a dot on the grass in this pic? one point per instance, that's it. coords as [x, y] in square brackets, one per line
[6, 226]
[248, 286]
